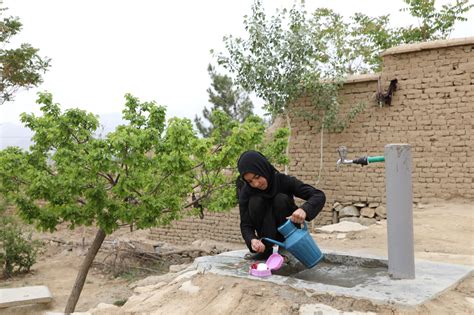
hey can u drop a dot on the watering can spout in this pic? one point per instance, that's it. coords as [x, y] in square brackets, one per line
[274, 242]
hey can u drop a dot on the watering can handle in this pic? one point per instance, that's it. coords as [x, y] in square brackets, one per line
[305, 227]
[274, 242]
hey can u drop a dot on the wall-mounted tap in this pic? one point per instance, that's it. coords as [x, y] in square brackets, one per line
[365, 160]
[342, 150]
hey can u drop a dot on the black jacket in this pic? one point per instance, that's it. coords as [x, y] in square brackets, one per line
[289, 185]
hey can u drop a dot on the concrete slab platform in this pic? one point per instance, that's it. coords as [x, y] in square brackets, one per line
[339, 274]
[25, 295]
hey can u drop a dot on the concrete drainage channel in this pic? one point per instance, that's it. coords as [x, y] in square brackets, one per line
[343, 274]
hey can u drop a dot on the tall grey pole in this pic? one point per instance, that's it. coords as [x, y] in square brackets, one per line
[398, 177]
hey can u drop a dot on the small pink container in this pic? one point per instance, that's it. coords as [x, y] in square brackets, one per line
[273, 262]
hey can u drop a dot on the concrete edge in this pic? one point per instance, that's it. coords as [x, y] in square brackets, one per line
[463, 273]
[407, 48]
[450, 287]
[27, 295]
[360, 78]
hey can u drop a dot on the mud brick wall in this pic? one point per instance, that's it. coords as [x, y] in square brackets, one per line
[432, 110]
[218, 226]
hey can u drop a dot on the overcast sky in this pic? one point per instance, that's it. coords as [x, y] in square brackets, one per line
[156, 50]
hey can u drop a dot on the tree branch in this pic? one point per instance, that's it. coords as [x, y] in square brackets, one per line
[208, 193]
[107, 177]
[169, 174]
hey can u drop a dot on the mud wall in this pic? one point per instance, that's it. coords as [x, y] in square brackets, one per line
[432, 109]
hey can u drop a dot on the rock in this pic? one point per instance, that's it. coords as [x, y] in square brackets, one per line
[295, 307]
[349, 219]
[340, 236]
[367, 212]
[194, 254]
[197, 243]
[149, 288]
[310, 309]
[186, 275]
[325, 236]
[104, 308]
[177, 268]
[360, 204]
[342, 227]
[349, 211]
[367, 221]
[335, 217]
[381, 211]
[189, 287]
[337, 206]
[167, 277]
[374, 204]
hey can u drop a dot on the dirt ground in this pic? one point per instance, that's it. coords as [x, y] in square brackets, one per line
[444, 232]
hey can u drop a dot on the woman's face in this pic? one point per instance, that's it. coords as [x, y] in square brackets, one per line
[256, 181]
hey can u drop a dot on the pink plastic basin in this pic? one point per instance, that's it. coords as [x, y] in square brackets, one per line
[273, 262]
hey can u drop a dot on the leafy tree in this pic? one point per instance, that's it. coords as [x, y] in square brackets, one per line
[226, 97]
[293, 54]
[433, 24]
[20, 67]
[282, 59]
[355, 46]
[144, 173]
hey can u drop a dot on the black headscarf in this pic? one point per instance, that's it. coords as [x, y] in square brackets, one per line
[255, 162]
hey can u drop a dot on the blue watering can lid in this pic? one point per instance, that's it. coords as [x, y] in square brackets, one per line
[275, 261]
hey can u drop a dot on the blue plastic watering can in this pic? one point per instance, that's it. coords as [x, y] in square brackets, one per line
[299, 243]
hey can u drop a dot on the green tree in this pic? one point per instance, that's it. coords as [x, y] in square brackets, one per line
[354, 46]
[433, 24]
[144, 173]
[226, 97]
[293, 53]
[282, 59]
[20, 67]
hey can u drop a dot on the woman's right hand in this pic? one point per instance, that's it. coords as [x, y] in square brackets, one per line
[257, 245]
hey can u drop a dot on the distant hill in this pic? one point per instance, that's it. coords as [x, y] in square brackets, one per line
[12, 134]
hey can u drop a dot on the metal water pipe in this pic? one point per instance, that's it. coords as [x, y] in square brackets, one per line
[398, 185]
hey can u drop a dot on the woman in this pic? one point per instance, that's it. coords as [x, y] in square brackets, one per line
[266, 201]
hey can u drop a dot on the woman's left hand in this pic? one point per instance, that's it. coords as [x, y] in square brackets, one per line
[298, 216]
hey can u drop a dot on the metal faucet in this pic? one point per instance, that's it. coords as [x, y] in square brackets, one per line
[342, 150]
[365, 160]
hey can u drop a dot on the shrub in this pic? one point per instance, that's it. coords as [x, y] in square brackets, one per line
[17, 249]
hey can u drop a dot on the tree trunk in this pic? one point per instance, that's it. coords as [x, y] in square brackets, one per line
[82, 274]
